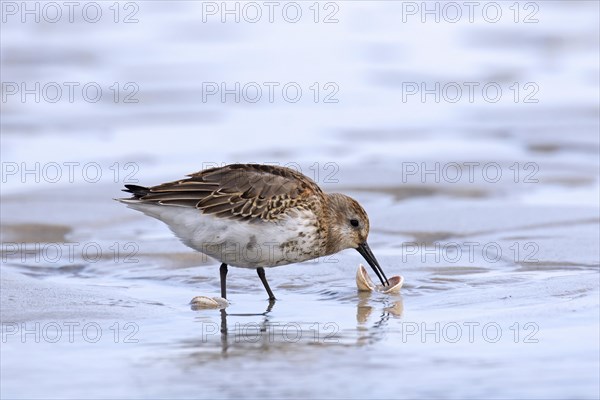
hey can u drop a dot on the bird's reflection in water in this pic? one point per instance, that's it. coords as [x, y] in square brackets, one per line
[241, 333]
[262, 327]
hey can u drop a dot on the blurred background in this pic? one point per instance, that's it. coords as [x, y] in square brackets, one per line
[468, 131]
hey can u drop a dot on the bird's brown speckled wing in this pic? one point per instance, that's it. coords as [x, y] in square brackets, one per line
[239, 191]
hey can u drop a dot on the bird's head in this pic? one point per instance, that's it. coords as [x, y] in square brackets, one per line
[349, 229]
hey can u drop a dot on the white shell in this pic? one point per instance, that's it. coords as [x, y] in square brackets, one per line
[365, 284]
[199, 302]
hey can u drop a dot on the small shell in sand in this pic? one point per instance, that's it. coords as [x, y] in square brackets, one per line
[365, 284]
[200, 302]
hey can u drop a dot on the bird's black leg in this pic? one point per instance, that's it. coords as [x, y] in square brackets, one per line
[223, 271]
[263, 278]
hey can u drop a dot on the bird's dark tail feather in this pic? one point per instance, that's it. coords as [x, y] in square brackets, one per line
[137, 191]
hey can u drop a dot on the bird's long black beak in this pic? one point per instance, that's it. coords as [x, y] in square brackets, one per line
[366, 252]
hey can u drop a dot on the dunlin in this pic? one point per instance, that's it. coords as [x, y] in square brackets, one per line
[257, 216]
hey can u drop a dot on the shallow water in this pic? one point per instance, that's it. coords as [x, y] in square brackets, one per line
[501, 271]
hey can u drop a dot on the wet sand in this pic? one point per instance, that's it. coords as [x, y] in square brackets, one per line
[485, 324]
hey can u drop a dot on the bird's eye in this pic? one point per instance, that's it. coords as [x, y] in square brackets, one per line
[354, 222]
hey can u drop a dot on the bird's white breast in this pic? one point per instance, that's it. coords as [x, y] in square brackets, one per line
[293, 238]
